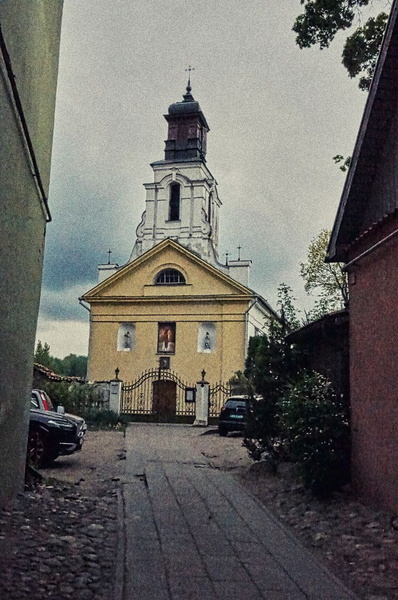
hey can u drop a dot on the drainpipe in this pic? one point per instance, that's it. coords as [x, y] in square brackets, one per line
[86, 306]
[24, 126]
[246, 337]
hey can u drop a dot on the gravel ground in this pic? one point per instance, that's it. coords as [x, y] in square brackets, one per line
[60, 540]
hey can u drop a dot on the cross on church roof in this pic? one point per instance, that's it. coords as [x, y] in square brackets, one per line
[189, 76]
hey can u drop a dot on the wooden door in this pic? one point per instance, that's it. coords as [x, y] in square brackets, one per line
[164, 394]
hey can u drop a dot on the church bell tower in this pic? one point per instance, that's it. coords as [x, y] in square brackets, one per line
[182, 202]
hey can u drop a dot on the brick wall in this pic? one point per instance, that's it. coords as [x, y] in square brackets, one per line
[373, 374]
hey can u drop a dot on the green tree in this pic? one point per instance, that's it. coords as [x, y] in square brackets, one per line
[327, 279]
[71, 366]
[42, 355]
[74, 366]
[344, 163]
[271, 365]
[323, 19]
[289, 314]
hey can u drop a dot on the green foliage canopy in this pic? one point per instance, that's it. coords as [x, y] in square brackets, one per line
[323, 19]
[329, 280]
[71, 366]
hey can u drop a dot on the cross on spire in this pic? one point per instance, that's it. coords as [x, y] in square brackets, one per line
[189, 76]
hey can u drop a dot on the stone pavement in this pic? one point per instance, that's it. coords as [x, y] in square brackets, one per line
[191, 532]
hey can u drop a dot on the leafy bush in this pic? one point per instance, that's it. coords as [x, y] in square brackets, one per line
[75, 398]
[315, 423]
[271, 365]
[85, 401]
[105, 419]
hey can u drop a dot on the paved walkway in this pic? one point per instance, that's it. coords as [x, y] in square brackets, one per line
[193, 533]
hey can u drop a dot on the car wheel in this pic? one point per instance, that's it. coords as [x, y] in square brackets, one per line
[36, 448]
[48, 458]
[222, 431]
[40, 453]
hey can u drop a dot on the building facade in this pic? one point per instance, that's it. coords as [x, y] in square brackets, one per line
[174, 305]
[29, 49]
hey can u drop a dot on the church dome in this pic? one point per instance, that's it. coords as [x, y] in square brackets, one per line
[187, 106]
[186, 139]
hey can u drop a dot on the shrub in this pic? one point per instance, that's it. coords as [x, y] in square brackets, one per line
[315, 423]
[271, 366]
[85, 401]
[105, 419]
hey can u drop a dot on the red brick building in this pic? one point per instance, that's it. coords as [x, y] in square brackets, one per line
[365, 237]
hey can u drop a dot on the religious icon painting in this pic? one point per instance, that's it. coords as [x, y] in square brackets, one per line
[166, 338]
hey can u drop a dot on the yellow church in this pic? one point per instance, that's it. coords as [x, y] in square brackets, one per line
[174, 315]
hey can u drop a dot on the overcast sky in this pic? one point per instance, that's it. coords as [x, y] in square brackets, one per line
[277, 116]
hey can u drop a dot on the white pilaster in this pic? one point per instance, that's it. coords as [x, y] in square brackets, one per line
[202, 404]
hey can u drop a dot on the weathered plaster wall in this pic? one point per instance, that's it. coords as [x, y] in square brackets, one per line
[226, 357]
[31, 31]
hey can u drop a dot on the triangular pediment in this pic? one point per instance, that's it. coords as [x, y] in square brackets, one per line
[136, 279]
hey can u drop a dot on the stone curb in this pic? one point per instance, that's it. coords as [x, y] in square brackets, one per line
[119, 587]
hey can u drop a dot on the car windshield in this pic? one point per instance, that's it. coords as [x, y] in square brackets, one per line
[236, 404]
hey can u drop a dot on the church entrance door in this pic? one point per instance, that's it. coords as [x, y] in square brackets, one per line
[164, 395]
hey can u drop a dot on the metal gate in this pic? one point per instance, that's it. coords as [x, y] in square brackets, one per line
[217, 396]
[158, 395]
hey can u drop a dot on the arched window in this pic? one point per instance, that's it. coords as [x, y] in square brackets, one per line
[174, 204]
[169, 277]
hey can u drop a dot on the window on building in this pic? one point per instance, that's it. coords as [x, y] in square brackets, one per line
[169, 277]
[210, 208]
[174, 205]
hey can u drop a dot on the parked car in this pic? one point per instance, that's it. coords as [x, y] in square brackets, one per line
[232, 416]
[41, 400]
[52, 435]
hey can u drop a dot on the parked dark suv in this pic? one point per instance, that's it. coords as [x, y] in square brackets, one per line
[233, 415]
[51, 435]
[41, 400]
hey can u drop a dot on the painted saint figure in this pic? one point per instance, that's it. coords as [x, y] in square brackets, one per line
[166, 338]
[127, 341]
[207, 343]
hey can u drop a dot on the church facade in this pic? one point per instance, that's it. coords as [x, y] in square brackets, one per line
[174, 306]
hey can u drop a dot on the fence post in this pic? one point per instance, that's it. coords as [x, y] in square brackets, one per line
[115, 395]
[202, 404]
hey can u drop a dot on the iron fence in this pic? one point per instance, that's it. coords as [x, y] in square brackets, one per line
[138, 396]
[217, 396]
